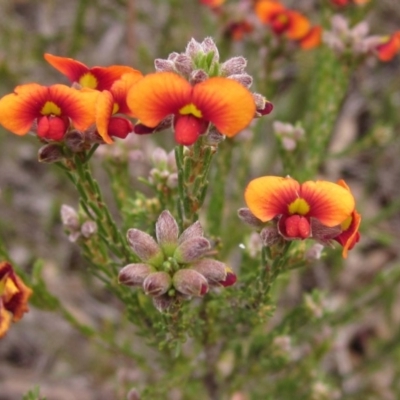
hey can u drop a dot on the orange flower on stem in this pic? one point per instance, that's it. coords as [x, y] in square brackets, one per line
[220, 101]
[52, 108]
[309, 210]
[389, 47]
[112, 102]
[289, 22]
[14, 297]
[99, 78]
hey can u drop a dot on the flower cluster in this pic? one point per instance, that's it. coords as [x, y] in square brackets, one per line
[320, 210]
[288, 134]
[14, 297]
[190, 92]
[193, 90]
[356, 41]
[73, 224]
[175, 266]
[294, 25]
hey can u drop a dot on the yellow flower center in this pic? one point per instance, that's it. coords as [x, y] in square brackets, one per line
[115, 108]
[282, 18]
[8, 289]
[346, 223]
[299, 206]
[50, 108]
[88, 80]
[190, 109]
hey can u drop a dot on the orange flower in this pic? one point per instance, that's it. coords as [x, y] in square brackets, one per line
[99, 78]
[111, 102]
[51, 108]
[389, 47]
[282, 20]
[350, 235]
[237, 30]
[298, 208]
[14, 297]
[312, 38]
[212, 3]
[221, 101]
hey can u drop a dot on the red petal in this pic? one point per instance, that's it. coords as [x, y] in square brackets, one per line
[188, 128]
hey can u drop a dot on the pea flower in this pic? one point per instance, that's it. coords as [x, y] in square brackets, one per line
[388, 47]
[174, 266]
[14, 297]
[197, 91]
[49, 111]
[99, 78]
[321, 210]
[289, 22]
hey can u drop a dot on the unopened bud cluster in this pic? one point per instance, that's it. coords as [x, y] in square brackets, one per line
[75, 226]
[200, 61]
[288, 134]
[164, 171]
[173, 266]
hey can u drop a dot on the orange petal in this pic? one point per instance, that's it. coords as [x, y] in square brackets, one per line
[388, 49]
[298, 27]
[106, 76]
[18, 110]
[120, 89]
[349, 237]
[157, 95]
[267, 9]
[225, 103]
[5, 320]
[329, 202]
[312, 39]
[69, 67]
[104, 108]
[270, 196]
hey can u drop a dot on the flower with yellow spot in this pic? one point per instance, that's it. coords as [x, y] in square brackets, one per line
[388, 47]
[302, 210]
[47, 110]
[14, 297]
[221, 101]
[99, 78]
[289, 22]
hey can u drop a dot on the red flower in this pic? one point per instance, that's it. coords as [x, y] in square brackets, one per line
[52, 108]
[99, 78]
[221, 101]
[14, 297]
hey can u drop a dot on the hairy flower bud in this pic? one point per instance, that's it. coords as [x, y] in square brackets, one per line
[88, 228]
[194, 230]
[192, 250]
[208, 45]
[134, 274]
[69, 218]
[183, 64]
[164, 65]
[214, 271]
[249, 218]
[50, 153]
[75, 141]
[167, 232]
[157, 283]
[190, 282]
[145, 247]
[244, 79]
[270, 236]
[198, 76]
[162, 303]
[234, 66]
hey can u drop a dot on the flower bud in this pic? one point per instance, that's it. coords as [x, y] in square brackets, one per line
[69, 218]
[183, 64]
[234, 66]
[270, 236]
[314, 252]
[172, 180]
[145, 247]
[167, 232]
[208, 45]
[159, 158]
[88, 228]
[133, 394]
[244, 79]
[214, 137]
[194, 230]
[134, 274]
[230, 279]
[214, 271]
[50, 153]
[164, 65]
[249, 218]
[193, 48]
[163, 302]
[75, 141]
[157, 283]
[192, 249]
[190, 282]
[198, 76]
